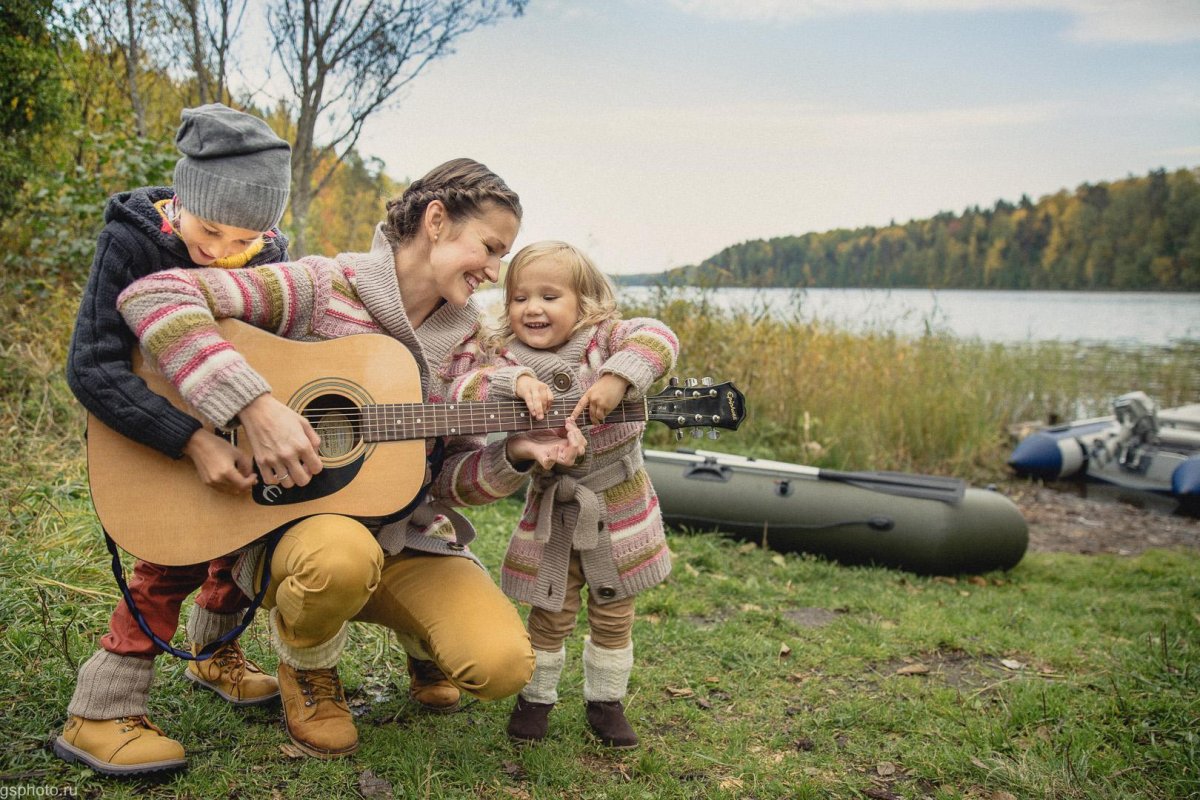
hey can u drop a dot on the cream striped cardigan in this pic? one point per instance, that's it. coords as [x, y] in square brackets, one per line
[317, 298]
[627, 551]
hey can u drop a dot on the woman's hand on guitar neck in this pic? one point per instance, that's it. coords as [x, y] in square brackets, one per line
[220, 465]
[547, 447]
[283, 442]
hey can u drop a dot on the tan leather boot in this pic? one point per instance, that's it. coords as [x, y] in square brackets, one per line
[234, 677]
[315, 711]
[429, 687]
[119, 747]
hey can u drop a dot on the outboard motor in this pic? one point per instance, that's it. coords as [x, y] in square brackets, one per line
[1137, 415]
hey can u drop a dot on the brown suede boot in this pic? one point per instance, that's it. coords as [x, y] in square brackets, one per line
[529, 721]
[315, 711]
[119, 747]
[429, 687]
[607, 720]
[234, 677]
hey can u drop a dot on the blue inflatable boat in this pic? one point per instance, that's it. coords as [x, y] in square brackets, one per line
[1138, 447]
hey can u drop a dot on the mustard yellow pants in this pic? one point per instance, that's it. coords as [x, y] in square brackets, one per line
[328, 570]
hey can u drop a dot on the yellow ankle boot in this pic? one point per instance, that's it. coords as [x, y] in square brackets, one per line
[233, 676]
[315, 712]
[119, 747]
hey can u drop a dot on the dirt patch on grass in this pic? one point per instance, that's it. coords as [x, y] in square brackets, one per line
[952, 668]
[1087, 518]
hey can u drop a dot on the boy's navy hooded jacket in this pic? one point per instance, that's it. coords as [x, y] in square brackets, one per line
[132, 245]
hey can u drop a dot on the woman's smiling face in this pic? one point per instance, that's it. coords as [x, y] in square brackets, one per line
[467, 253]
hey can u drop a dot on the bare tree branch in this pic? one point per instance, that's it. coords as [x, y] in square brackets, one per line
[132, 65]
[346, 60]
[207, 30]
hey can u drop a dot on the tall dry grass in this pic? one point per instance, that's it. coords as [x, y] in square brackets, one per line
[877, 400]
[816, 394]
[41, 424]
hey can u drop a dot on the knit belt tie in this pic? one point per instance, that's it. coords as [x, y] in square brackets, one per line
[585, 491]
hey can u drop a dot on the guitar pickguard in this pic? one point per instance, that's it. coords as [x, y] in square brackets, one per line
[328, 481]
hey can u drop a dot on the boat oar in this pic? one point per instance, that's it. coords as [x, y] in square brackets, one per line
[929, 487]
[903, 484]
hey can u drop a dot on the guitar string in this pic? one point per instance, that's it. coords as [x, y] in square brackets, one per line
[513, 406]
[470, 410]
[384, 418]
[409, 419]
[392, 421]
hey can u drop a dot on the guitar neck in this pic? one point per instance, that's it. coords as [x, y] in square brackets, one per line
[390, 422]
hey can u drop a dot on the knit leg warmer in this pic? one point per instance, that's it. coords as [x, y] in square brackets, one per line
[322, 656]
[111, 686]
[204, 626]
[606, 672]
[547, 668]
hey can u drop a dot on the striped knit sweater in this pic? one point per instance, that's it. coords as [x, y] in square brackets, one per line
[628, 552]
[317, 298]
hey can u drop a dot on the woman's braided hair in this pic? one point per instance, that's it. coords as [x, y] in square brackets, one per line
[465, 187]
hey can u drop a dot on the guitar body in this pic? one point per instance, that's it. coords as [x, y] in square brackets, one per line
[156, 507]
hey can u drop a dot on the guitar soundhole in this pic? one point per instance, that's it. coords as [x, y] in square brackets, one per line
[336, 420]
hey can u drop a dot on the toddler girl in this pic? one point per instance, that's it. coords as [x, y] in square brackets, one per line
[596, 523]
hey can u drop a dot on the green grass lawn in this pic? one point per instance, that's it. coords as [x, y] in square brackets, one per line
[757, 675]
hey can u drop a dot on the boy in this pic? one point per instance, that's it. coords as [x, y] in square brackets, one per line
[230, 189]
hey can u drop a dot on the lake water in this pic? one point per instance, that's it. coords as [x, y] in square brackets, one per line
[1120, 319]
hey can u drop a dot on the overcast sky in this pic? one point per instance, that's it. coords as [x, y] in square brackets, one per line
[654, 133]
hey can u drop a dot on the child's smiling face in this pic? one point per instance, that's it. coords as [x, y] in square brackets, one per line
[543, 308]
[208, 241]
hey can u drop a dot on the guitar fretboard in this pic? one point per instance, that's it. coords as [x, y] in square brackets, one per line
[388, 422]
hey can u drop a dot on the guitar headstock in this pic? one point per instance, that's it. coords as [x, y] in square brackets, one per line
[697, 404]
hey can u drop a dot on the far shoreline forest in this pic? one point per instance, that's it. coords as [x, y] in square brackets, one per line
[1139, 233]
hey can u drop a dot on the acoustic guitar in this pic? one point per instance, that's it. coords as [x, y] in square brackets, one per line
[362, 394]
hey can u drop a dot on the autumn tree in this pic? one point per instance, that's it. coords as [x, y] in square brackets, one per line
[32, 95]
[346, 60]
[1137, 233]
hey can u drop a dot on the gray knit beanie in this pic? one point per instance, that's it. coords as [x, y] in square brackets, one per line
[234, 169]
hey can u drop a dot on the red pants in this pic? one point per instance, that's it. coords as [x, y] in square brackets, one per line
[159, 593]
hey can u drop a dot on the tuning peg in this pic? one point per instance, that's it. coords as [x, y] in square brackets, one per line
[679, 436]
[697, 433]
[713, 433]
[690, 382]
[706, 381]
[673, 382]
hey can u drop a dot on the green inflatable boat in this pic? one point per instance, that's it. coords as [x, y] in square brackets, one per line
[922, 523]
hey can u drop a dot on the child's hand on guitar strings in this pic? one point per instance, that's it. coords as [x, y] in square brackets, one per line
[601, 398]
[221, 466]
[537, 395]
